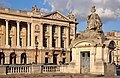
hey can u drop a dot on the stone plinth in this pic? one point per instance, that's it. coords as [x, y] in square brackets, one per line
[3, 70]
[36, 69]
[109, 70]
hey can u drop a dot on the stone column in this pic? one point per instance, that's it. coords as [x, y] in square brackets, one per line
[18, 58]
[51, 57]
[18, 33]
[28, 33]
[6, 33]
[50, 45]
[7, 58]
[32, 34]
[99, 60]
[59, 36]
[67, 57]
[99, 54]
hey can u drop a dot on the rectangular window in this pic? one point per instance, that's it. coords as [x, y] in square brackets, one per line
[44, 28]
[45, 42]
[9, 27]
[53, 29]
[9, 41]
[46, 53]
[62, 29]
[46, 59]
[63, 62]
[64, 54]
[20, 41]
[62, 43]
[20, 27]
[53, 43]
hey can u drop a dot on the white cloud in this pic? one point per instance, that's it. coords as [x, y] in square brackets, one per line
[44, 10]
[107, 9]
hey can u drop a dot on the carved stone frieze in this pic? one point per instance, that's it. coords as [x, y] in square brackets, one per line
[57, 16]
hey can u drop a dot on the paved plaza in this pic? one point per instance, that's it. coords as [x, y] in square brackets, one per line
[57, 76]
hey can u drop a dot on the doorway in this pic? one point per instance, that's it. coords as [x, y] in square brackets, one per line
[13, 58]
[23, 58]
[85, 62]
[2, 58]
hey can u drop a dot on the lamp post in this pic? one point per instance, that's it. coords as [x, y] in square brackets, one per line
[36, 45]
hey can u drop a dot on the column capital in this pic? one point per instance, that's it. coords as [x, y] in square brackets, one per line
[17, 21]
[6, 20]
[28, 22]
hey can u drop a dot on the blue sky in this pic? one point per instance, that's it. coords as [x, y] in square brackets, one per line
[109, 13]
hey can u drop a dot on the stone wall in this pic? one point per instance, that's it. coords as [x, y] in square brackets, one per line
[109, 70]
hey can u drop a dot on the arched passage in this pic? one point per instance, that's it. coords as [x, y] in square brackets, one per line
[2, 58]
[13, 58]
[111, 49]
[23, 58]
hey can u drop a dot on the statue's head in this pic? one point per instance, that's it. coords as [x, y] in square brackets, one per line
[93, 9]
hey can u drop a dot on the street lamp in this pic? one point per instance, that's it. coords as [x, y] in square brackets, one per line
[36, 45]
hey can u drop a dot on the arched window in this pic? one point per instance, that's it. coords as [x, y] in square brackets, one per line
[111, 50]
[13, 58]
[111, 45]
[23, 58]
[2, 58]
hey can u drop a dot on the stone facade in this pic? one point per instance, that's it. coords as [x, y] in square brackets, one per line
[20, 30]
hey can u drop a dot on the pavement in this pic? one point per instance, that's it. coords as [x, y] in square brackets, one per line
[56, 75]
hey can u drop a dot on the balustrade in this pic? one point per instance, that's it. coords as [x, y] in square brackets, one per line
[29, 69]
[18, 69]
[51, 69]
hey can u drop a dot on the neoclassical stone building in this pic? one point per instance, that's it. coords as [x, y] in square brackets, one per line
[21, 30]
[36, 37]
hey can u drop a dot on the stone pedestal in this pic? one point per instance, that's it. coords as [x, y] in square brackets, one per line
[36, 69]
[109, 70]
[99, 67]
[2, 70]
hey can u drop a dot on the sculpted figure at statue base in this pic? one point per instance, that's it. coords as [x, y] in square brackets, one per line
[94, 28]
[93, 20]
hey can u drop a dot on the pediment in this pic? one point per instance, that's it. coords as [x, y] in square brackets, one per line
[82, 43]
[57, 16]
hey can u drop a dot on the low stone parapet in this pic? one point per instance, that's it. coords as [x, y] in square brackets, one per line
[18, 69]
